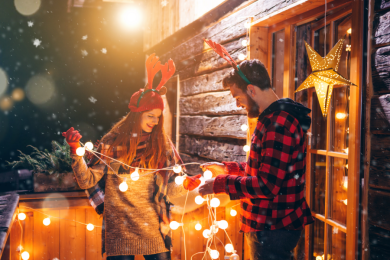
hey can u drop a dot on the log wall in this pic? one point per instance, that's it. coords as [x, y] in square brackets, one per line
[379, 164]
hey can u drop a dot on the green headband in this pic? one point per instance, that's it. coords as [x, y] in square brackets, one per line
[143, 93]
[242, 75]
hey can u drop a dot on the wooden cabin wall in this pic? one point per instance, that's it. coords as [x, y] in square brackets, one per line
[379, 167]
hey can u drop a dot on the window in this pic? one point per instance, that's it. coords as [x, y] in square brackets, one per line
[278, 62]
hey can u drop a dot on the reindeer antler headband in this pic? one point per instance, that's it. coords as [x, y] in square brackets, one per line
[221, 51]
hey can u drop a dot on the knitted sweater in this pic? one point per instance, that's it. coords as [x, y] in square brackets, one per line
[132, 220]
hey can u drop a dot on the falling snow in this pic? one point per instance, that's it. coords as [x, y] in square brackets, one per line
[164, 3]
[85, 37]
[104, 50]
[37, 42]
[296, 176]
[30, 23]
[84, 52]
[92, 99]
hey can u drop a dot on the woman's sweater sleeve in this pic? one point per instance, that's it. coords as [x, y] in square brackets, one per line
[86, 177]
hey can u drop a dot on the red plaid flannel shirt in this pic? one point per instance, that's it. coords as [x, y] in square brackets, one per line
[271, 185]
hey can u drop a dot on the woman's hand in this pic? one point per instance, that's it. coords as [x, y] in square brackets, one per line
[73, 139]
[190, 183]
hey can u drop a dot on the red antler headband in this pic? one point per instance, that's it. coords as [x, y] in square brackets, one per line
[221, 51]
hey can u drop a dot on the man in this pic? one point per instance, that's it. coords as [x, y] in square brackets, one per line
[271, 184]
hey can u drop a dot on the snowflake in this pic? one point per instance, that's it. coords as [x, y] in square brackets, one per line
[30, 23]
[92, 99]
[296, 176]
[84, 52]
[104, 50]
[164, 3]
[85, 37]
[37, 42]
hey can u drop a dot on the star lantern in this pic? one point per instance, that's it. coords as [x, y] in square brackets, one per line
[324, 74]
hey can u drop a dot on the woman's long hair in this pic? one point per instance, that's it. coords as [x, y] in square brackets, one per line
[128, 133]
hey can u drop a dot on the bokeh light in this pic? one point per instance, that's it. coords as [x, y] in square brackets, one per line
[27, 7]
[17, 94]
[40, 89]
[3, 82]
[131, 17]
[6, 103]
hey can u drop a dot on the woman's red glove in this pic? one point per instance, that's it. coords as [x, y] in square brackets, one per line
[73, 139]
[191, 183]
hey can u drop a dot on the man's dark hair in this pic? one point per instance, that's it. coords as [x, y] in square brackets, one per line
[254, 71]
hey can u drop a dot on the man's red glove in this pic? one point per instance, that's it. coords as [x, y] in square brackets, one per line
[191, 183]
[72, 138]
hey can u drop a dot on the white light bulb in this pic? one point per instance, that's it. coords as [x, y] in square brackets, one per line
[244, 43]
[242, 56]
[234, 256]
[22, 216]
[179, 180]
[25, 255]
[80, 151]
[88, 145]
[214, 254]
[233, 212]
[229, 248]
[90, 227]
[206, 233]
[244, 127]
[123, 186]
[46, 221]
[135, 175]
[174, 225]
[198, 226]
[319, 257]
[177, 168]
[223, 224]
[247, 25]
[215, 202]
[199, 200]
[345, 201]
[246, 148]
[208, 175]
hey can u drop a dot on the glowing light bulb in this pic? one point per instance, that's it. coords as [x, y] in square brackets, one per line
[341, 115]
[214, 202]
[349, 31]
[131, 17]
[199, 200]
[345, 182]
[123, 186]
[229, 248]
[319, 257]
[90, 227]
[135, 175]
[80, 151]
[22, 216]
[223, 224]
[345, 201]
[234, 256]
[25, 255]
[206, 233]
[88, 145]
[244, 127]
[233, 212]
[179, 180]
[247, 25]
[177, 168]
[174, 225]
[46, 221]
[198, 226]
[244, 43]
[242, 56]
[208, 175]
[214, 254]
[246, 148]
[346, 150]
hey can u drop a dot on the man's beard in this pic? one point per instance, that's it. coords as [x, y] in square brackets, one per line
[252, 108]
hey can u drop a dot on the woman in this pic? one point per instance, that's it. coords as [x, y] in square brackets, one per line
[137, 220]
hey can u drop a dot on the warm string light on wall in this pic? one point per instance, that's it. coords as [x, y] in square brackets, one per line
[245, 41]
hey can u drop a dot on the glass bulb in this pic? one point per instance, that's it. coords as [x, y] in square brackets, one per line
[25, 255]
[208, 175]
[223, 224]
[247, 25]
[179, 180]
[88, 145]
[135, 175]
[90, 227]
[242, 56]
[22, 216]
[46, 221]
[214, 254]
[199, 200]
[233, 212]
[244, 43]
[80, 151]
[206, 233]
[174, 225]
[229, 248]
[177, 168]
[246, 148]
[198, 226]
[123, 186]
[244, 127]
[215, 202]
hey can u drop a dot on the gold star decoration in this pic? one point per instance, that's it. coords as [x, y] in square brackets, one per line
[324, 74]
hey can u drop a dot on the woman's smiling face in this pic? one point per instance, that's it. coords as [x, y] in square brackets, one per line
[150, 119]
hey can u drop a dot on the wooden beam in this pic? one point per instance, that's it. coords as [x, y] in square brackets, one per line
[289, 62]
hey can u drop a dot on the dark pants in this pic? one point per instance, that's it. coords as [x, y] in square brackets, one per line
[272, 244]
[160, 256]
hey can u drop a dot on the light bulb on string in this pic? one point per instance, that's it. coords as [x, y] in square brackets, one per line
[174, 225]
[208, 175]
[46, 221]
[229, 248]
[247, 25]
[135, 175]
[88, 145]
[223, 224]
[22, 216]
[177, 168]
[80, 151]
[244, 42]
[214, 254]
[179, 180]
[241, 56]
[90, 227]
[25, 255]
[246, 148]
[214, 202]
[206, 233]
[199, 200]
[198, 226]
[123, 186]
[233, 212]
[244, 127]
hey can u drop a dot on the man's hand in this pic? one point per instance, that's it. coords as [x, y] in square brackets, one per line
[207, 187]
[216, 168]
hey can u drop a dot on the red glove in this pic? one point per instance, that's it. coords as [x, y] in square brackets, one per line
[72, 138]
[191, 183]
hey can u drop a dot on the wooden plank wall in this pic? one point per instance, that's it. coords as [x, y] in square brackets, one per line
[379, 167]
